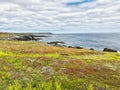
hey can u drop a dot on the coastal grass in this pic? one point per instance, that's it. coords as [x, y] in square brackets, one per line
[6, 35]
[29, 65]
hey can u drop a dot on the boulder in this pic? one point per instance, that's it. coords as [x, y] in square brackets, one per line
[76, 47]
[55, 43]
[109, 50]
[91, 49]
[70, 47]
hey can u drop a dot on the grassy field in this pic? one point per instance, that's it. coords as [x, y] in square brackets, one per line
[30, 65]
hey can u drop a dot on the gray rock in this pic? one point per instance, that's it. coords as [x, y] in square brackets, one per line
[25, 38]
[70, 47]
[76, 47]
[57, 43]
[47, 70]
[91, 49]
[109, 50]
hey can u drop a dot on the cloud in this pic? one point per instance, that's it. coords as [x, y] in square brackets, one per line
[62, 14]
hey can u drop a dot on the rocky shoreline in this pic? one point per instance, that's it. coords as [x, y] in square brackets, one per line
[62, 44]
[39, 36]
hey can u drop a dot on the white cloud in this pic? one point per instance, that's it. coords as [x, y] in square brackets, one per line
[54, 14]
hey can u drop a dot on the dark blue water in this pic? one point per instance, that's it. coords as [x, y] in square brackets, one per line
[88, 40]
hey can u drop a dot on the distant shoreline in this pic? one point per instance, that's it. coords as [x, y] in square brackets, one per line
[62, 33]
[40, 36]
[25, 33]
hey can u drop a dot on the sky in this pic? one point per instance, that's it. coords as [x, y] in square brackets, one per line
[60, 16]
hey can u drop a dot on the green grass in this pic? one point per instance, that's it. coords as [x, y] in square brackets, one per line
[37, 66]
[35, 86]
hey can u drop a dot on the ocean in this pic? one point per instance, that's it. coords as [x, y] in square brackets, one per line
[97, 41]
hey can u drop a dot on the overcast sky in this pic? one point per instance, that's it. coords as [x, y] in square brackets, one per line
[60, 16]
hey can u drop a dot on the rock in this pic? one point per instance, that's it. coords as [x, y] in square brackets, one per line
[109, 50]
[39, 36]
[55, 43]
[25, 38]
[47, 70]
[70, 47]
[76, 47]
[91, 49]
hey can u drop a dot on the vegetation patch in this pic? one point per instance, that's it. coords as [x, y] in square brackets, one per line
[37, 66]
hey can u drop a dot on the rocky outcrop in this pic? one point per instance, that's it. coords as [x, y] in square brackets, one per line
[76, 47]
[91, 49]
[25, 38]
[109, 50]
[28, 37]
[39, 35]
[56, 43]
